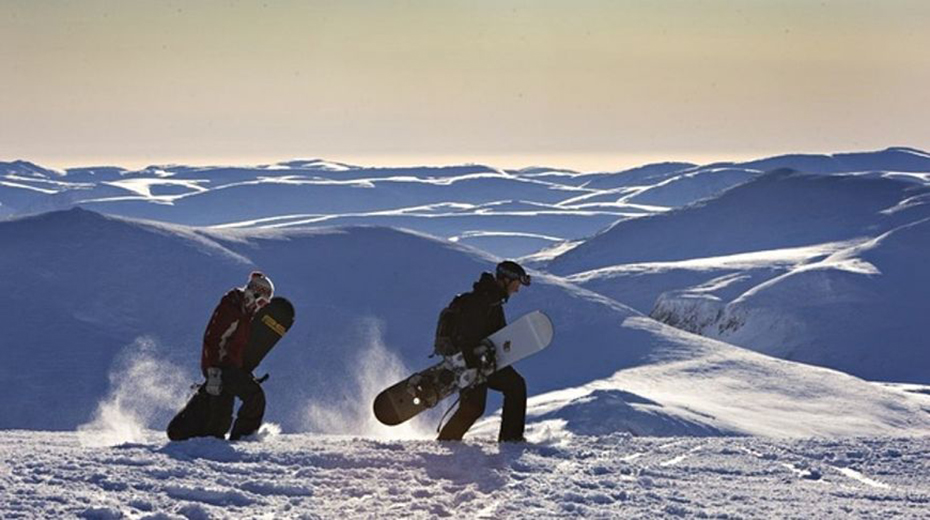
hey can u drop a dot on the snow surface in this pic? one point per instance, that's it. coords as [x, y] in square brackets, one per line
[129, 319]
[863, 310]
[823, 269]
[631, 413]
[564, 204]
[52, 475]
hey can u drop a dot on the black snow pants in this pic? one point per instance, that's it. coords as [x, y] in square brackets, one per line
[472, 403]
[207, 415]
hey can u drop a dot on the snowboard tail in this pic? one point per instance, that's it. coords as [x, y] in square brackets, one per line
[425, 389]
[421, 391]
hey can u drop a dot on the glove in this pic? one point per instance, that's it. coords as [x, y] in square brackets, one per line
[214, 381]
[487, 356]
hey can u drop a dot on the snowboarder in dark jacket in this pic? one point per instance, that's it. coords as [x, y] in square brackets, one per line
[481, 314]
[209, 413]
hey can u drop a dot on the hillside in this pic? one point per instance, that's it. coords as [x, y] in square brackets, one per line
[129, 301]
[781, 209]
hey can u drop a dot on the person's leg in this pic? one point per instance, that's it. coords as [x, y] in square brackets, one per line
[242, 385]
[220, 415]
[192, 420]
[513, 416]
[471, 407]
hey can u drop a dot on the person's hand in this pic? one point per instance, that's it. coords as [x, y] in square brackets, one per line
[214, 380]
[487, 355]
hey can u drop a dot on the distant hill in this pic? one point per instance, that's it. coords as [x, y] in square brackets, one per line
[780, 209]
[106, 314]
[316, 192]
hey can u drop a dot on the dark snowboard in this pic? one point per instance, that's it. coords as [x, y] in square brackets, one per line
[269, 325]
[207, 415]
[418, 392]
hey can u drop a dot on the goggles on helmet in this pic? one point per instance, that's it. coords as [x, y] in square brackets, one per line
[511, 274]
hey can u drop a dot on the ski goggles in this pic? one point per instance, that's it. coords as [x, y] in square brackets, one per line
[260, 299]
[259, 291]
[525, 279]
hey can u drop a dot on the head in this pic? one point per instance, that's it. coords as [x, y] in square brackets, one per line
[258, 291]
[511, 276]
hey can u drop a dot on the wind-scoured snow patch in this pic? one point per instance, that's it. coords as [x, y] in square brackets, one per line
[348, 408]
[142, 386]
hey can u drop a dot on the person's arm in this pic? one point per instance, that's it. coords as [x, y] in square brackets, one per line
[221, 326]
[474, 317]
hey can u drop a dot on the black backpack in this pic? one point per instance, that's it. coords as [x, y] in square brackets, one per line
[449, 329]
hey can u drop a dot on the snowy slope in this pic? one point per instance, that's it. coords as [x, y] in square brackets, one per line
[315, 192]
[898, 159]
[51, 475]
[693, 391]
[780, 209]
[773, 265]
[861, 310]
[129, 301]
[699, 281]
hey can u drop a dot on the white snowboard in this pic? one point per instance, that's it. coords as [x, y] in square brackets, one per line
[524, 337]
[405, 399]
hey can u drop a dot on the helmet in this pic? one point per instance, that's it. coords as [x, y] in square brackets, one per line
[510, 270]
[259, 289]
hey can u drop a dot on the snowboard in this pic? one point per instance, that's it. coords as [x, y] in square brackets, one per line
[423, 390]
[269, 325]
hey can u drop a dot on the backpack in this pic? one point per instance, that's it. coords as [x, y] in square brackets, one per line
[448, 329]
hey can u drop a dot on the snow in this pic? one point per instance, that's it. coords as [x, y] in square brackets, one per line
[650, 285]
[856, 304]
[822, 269]
[781, 209]
[730, 342]
[315, 476]
[367, 299]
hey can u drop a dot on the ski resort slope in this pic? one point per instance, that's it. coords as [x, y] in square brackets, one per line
[126, 345]
[51, 475]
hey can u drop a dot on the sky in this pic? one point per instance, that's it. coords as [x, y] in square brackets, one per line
[585, 84]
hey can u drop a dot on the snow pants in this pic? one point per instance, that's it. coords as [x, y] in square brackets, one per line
[208, 415]
[473, 400]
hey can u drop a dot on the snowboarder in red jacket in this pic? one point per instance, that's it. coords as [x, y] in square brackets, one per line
[209, 413]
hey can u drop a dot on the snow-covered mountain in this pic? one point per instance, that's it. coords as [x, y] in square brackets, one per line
[109, 314]
[511, 213]
[505, 212]
[628, 416]
[777, 210]
[860, 310]
[772, 265]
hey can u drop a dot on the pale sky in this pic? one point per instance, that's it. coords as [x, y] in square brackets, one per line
[581, 84]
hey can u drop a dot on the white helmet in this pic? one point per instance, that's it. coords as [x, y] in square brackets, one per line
[259, 290]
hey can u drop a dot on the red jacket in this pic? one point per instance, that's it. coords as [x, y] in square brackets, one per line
[227, 333]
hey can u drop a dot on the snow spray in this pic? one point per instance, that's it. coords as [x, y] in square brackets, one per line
[142, 387]
[376, 368]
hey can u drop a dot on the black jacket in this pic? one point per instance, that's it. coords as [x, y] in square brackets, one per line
[481, 313]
